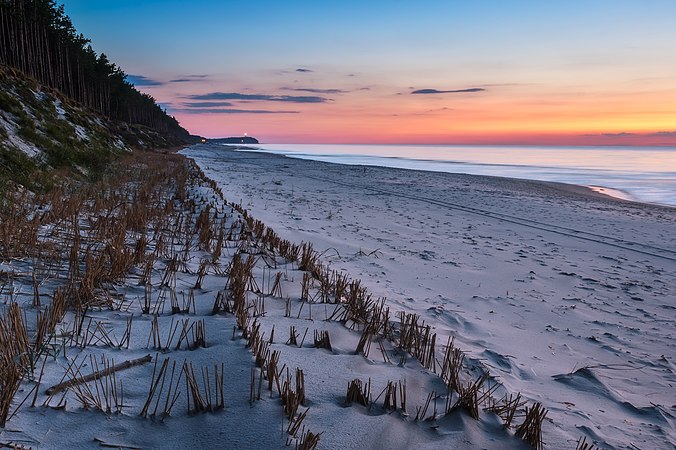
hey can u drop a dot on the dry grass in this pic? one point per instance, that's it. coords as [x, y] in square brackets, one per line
[531, 428]
[582, 444]
[146, 221]
[14, 359]
[322, 340]
[358, 392]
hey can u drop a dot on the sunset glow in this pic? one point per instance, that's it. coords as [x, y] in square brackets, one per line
[528, 72]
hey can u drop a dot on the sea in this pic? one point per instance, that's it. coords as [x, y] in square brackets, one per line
[643, 174]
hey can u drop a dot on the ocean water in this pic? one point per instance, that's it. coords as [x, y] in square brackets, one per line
[645, 174]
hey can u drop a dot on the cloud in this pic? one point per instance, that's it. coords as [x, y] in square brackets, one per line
[140, 80]
[454, 91]
[207, 104]
[317, 91]
[234, 111]
[260, 97]
[189, 78]
[654, 134]
[302, 70]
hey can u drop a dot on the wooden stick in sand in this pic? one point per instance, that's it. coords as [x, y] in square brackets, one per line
[96, 375]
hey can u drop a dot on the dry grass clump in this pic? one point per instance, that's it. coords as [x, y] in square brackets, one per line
[451, 365]
[582, 444]
[293, 393]
[107, 395]
[395, 396]
[507, 407]
[14, 357]
[531, 428]
[470, 397]
[201, 395]
[19, 225]
[417, 339]
[157, 381]
[308, 441]
[322, 340]
[358, 392]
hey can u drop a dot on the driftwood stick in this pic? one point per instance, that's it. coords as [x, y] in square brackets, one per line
[96, 375]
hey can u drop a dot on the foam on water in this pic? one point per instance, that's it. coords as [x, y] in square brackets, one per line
[646, 174]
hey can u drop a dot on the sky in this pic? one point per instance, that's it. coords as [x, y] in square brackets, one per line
[555, 72]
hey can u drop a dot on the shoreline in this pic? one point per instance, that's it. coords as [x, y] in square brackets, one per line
[608, 191]
[445, 246]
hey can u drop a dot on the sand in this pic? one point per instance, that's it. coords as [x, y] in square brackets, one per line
[559, 293]
[563, 294]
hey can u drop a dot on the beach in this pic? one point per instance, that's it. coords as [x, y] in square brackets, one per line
[563, 294]
[252, 300]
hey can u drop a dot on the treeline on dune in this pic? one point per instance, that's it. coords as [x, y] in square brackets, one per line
[39, 39]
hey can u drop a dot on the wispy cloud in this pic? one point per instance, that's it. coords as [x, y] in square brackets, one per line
[453, 91]
[233, 111]
[189, 78]
[303, 70]
[207, 104]
[140, 80]
[260, 97]
[317, 91]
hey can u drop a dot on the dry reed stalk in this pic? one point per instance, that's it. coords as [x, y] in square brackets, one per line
[322, 340]
[295, 423]
[192, 333]
[147, 292]
[203, 400]
[157, 380]
[106, 371]
[105, 396]
[271, 367]
[421, 411]
[358, 392]
[309, 259]
[306, 283]
[47, 320]
[340, 286]
[222, 303]
[14, 360]
[204, 229]
[287, 307]
[293, 336]
[258, 306]
[364, 344]
[292, 398]
[583, 445]
[417, 339]
[531, 428]
[276, 288]
[201, 273]
[506, 407]
[451, 365]
[156, 335]
[391, 391]
[308, 441]
[468, 397]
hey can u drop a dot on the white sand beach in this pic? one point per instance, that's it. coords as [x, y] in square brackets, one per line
[562, 294]
[229, 337]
